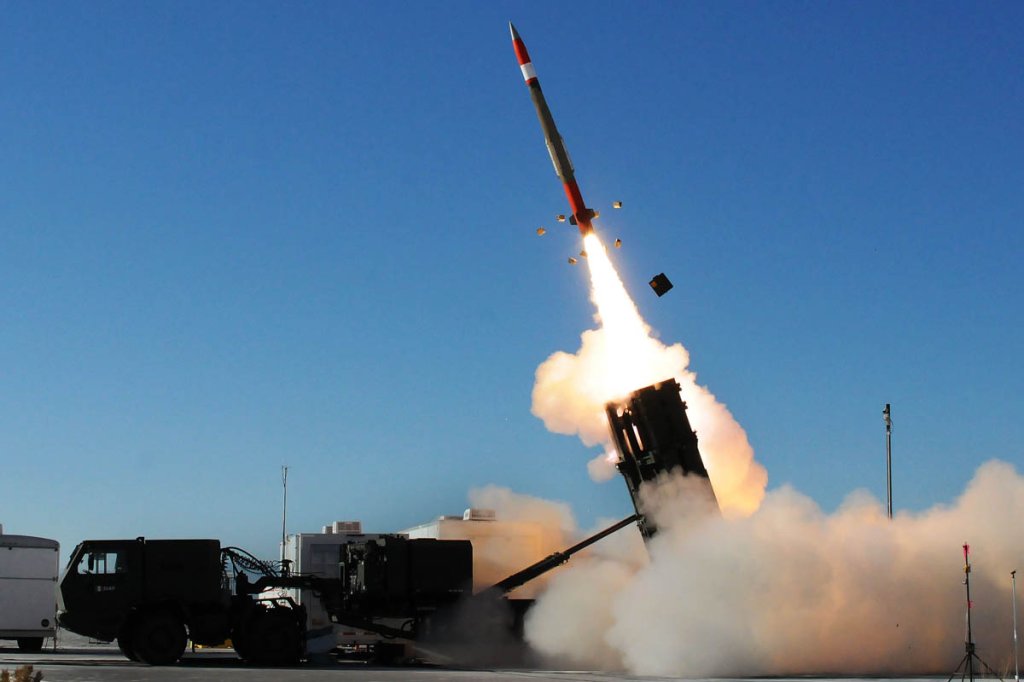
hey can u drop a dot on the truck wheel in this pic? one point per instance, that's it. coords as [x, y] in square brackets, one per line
[30, 644]
[273, 638]
[240, 643]
[124, 643]
[158, 639]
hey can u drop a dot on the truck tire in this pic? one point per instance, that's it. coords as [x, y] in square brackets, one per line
[273, 637]
[241, 644]
[30, 644]
[158, 638]
[124, 643]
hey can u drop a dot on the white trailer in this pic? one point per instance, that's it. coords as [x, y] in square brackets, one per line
[319, 554]
[29, 567]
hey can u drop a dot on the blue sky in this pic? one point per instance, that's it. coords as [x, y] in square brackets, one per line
[239, 235]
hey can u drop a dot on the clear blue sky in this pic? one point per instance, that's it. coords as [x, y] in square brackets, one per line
[237, 235]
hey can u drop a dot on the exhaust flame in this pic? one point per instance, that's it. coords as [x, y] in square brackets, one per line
[621, 356]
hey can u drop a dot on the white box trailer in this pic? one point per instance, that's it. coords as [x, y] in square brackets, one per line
[319, 554]
[29, 569]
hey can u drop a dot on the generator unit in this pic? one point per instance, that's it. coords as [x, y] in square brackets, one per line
[395, 577]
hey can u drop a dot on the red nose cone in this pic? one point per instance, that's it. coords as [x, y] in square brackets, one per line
[517, 44]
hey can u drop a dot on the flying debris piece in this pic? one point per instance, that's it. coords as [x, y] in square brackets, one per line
[560, 218]
[660, 284]
[541, 231]
[572, 261]
[616, 204]
[583, 253]
[581, 215]
[618, 243]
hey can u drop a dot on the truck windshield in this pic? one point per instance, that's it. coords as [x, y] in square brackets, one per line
[100, 562]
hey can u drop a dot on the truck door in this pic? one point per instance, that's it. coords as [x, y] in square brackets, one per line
[99, 587]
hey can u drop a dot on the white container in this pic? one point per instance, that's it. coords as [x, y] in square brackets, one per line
[29, 567]
[319, 554]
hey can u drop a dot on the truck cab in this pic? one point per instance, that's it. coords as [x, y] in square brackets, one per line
[149, 595]
[152, 596]
[96, 589]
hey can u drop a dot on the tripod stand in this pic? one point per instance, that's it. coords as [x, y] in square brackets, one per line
[966, 667]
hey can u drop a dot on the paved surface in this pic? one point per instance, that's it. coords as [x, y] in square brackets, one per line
[78, 660]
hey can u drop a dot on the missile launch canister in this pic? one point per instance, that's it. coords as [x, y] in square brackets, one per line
[581, 215]
[653, 436]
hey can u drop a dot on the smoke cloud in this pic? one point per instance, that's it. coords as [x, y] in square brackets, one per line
[791, 590]
[527, 530]
[555, 517]
[772, 586]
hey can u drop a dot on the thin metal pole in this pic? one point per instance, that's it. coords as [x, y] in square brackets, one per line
[888, 458]
[1016, 664]
[284, 510]
[970, 636]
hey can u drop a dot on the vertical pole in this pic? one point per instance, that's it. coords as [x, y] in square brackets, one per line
[284, 510]
[1016, 664]
[888, 458]
[969, 645]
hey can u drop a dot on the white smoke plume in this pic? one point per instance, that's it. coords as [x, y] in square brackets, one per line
[792, 590]
[621, 356]
[526, 530]
[557, 517]
[773, 586]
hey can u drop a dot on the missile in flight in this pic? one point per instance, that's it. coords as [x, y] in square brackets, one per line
[581, 215]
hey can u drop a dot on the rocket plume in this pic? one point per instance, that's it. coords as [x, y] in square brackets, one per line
[774, 586]
[618, 357]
